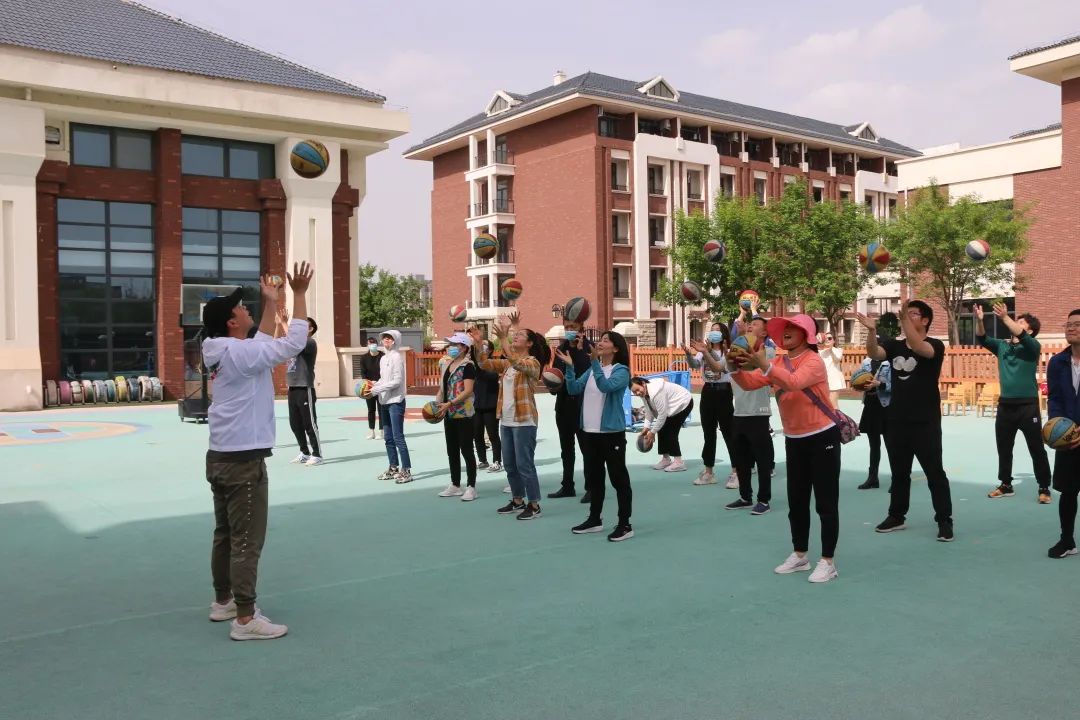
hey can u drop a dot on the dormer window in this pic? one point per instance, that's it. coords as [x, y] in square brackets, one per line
[660, 88]
[863, 131]
[501, 101]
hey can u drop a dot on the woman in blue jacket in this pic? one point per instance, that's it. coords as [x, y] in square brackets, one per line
[603, 430]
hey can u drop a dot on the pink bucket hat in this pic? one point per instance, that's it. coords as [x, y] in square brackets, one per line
[775, 327]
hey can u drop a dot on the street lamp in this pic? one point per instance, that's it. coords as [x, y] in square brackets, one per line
[556, 311]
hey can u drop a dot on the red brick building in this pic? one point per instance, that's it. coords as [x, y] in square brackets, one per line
[580, 181]
[144, 166]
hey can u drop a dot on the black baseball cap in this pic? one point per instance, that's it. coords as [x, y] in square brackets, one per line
[218, 311]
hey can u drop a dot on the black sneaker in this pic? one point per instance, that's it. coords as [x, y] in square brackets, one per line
[482, 465]
[529, 513]
[890, 524]
[511, 507]
[561, 493]
[1063, 549]
[944, 532]
[589, 526]
[739, 504]
[870, 484]
[621, 532]
[586, 498]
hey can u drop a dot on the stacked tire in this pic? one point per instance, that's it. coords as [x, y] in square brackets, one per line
[120, 389]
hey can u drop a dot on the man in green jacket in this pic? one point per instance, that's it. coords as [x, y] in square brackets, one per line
[1018, 406]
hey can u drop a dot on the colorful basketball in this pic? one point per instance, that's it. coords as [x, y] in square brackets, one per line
[715, 251]
[978, 250]
[458, 313]
[644, 443]
[747, 298]
[576, 310]
[861, 379]
[691, 291]
[363, 388]
[309, 158]
[743, 343]
[1059, 432]
[553, 378]
[277, 280]
[874, 257]
[485, 245]
[430, 412]
[511, 289]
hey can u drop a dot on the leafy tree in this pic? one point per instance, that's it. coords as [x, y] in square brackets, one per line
[389, 300]
[928, 241]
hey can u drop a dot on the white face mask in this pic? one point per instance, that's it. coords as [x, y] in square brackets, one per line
[373, 349]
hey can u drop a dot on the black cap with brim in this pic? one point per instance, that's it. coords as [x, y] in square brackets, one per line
[218, 311]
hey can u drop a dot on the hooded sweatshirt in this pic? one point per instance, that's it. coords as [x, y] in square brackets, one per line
[242, 413]
[391, 385]
[369, 365]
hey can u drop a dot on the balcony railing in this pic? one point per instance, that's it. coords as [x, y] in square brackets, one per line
[498, 205]
[694, 195]
[502, 205]
[621, 293]
[503, 257]
[620, 187]
[501, 156]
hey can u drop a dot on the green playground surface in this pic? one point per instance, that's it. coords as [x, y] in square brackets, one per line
[405, 605]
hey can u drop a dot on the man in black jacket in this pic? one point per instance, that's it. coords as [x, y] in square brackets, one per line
[568, 407]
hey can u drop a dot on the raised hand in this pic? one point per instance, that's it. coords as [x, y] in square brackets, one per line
[301, 277]
[565, 358]
[978, 310]
[867, 322]
[514, 317]
[1000, 310]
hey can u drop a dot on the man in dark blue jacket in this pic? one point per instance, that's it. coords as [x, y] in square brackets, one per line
[568, 407]
[1063, 400]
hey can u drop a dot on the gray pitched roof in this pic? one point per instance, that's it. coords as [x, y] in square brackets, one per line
[1032, 51]
[1036, 131]
[605, 86]
[125, 32]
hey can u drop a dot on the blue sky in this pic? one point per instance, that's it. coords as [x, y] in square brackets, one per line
[923, 74]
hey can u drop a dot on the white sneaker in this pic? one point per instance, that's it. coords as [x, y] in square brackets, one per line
[706, 477]
[379, 435]
[314, 460]
[507, 490]
[732, 481]
[258, 628]
[389, 474]
[676, 466]
[664, 462]
[824, 572]
[220, 612]
[470, 494]
[495, 467]
[301, 458]
[371, 435]
[793, 564]
[452, 491]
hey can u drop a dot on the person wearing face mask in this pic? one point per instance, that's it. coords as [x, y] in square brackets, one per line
[832, 356]
[811, 436]
[485, 402]
[568, 407]
[716, 395]
[369, 370]
[752, 442]
[457, 375]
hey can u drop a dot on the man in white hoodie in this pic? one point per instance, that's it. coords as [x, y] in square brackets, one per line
[242, 434]
[390, 390]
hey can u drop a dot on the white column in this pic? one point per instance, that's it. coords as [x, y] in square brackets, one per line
[490, 146]
[491, 194]
[640, 282]
[22, 150]
[358, 180]
[309, 236]
[474, 145]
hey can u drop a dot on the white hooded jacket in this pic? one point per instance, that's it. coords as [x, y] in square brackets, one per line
[390, 388]
[665, 399]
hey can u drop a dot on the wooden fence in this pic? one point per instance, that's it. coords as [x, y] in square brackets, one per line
[961, 364]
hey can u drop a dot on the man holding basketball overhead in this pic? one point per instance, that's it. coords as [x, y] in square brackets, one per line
[567, 406]
[242, 433]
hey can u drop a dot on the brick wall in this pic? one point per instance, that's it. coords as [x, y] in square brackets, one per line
[169, 260]
[345, 201]
[449, 239]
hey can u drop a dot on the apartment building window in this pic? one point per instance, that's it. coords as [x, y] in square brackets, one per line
[609, 126]
[790, 154]
[653, 127]
[655, 275]
[221, 246]
[502, 154]
[656, 231]
[503, 203]
[818, 159]
[620, 228]
[111, 147]
[694, 185]
[693, 134]
[620, 172]
[226, 158]
[759, 190]
[759, 149]
[727, 185]
[728, 143]
[620, 282]
[505, 235]
[655, 177]
[819, 194]
[890, 167]
[869, 201]
[892, 207]
[107, 311]
[661, 333]
[845, 196]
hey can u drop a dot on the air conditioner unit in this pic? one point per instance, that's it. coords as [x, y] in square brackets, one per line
[665, 124]
[734, 136]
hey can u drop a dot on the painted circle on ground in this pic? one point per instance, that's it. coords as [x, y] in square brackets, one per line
[40, 433]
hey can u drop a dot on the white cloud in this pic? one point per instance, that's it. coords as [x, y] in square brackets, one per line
[417, 79]
[904, 29]
[728, 47]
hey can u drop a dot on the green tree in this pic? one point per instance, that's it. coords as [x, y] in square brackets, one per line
[928, 241]
[389, 300]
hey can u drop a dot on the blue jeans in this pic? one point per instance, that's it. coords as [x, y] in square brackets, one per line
[392, 419]
[518, 449]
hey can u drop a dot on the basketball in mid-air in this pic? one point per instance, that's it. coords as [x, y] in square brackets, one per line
[309, 158]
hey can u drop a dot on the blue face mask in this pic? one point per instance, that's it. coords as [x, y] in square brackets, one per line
[453, 351]
[373, 348]
[715, 336]
[571, 335]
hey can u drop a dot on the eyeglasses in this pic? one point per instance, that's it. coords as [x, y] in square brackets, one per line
[1072, 326]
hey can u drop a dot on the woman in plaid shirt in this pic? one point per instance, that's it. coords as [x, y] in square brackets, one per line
[526, 353]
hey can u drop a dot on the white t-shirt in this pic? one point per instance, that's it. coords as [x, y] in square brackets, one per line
[1076, 374]
[832, 357]
[592, 404]
[507, 418]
